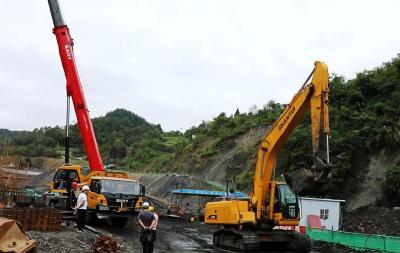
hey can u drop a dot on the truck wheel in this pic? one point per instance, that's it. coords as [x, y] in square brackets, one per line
[119, 221]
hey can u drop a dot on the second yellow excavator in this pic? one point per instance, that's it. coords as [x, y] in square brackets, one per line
[248, 223]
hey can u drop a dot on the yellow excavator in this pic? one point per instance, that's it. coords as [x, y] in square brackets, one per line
[247, 223]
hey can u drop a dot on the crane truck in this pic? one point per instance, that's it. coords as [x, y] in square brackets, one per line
[247, 224]
[112, 194]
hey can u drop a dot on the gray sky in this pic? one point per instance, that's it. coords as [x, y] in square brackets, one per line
[177, 63]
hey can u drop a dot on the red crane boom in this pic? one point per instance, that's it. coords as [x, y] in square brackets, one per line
[74, 88]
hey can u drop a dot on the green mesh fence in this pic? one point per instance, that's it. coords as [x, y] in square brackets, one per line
[357, 241]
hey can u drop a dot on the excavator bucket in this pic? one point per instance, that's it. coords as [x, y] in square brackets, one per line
[305, 181]
[13, 239]
[298, 179]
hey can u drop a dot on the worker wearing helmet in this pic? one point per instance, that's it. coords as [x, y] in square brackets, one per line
[155, 223]
[146, 221]
[81, 207]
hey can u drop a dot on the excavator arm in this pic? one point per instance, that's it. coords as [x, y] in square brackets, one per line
[313, 96]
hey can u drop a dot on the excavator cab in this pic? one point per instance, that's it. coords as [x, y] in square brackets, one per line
[286, 202]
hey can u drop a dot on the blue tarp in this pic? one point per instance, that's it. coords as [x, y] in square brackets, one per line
[207, 193]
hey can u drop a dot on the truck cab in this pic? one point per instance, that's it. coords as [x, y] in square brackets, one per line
[112, 194]
[109, 195]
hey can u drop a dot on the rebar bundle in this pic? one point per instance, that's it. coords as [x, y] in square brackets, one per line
[39, 219]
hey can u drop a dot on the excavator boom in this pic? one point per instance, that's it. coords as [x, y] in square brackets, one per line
[313, 97]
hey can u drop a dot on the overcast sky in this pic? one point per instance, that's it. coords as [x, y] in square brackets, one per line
[176, 63]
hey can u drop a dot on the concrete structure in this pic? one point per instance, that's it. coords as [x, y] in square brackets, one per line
[328, 211]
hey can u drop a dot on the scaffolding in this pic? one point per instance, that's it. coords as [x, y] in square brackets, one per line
[13, 176]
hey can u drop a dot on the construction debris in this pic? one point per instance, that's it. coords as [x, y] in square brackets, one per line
[66, 240]
[105, 244]
[13, 238]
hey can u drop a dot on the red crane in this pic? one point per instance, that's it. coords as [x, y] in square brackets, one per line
[74, 89]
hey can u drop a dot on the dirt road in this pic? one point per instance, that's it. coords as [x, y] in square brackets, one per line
[172, 236]
[178, 236]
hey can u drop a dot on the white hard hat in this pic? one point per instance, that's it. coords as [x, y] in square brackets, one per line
[85, 188]
[145, 204]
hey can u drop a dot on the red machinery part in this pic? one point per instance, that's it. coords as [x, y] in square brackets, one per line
[74, 88]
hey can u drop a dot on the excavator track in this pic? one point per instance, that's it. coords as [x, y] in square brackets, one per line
[261, 240]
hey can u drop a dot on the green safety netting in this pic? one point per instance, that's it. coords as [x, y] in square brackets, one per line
[357, 241]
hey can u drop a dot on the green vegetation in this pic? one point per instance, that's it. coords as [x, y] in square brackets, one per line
[215, 186]
[364, 117]
[123, 137]
[391, 185]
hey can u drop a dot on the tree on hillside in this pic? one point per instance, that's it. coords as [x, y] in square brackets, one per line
[237, 113]
[118, 149]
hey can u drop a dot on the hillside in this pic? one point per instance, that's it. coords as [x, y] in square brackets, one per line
[364, 118]
[123, 137]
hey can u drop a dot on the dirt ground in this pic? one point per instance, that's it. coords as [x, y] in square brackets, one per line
[172, 236]
[180, 236]
[373, 220]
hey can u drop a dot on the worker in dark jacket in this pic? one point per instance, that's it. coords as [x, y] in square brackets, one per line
[72, 197]
[146, 221]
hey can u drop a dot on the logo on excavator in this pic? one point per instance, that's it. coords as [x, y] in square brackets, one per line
[286, 119]
[68, 52]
